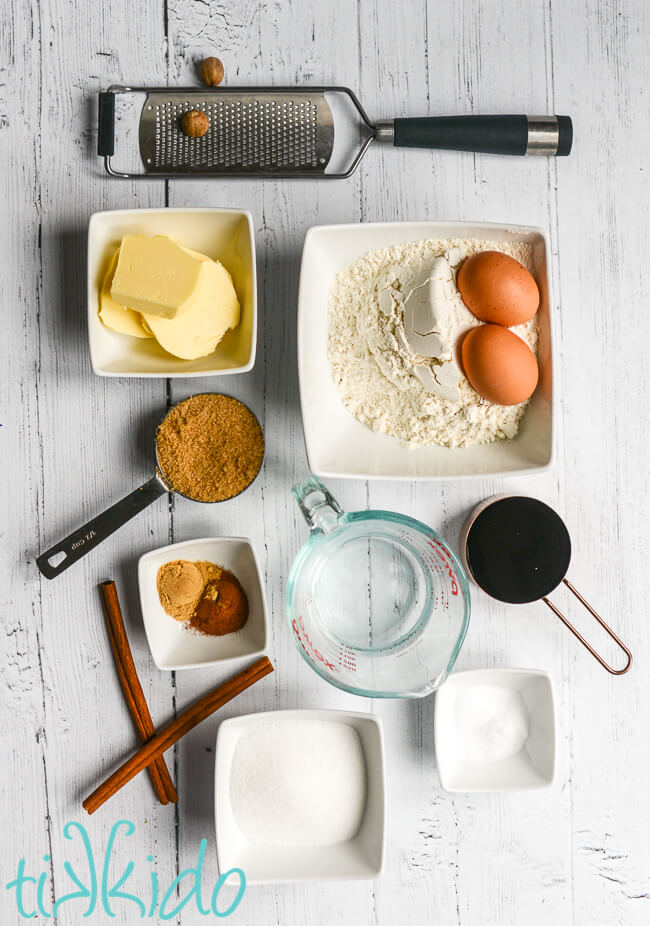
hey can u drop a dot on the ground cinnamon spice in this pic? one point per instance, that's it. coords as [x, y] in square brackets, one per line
[223, 607]
[210, 447]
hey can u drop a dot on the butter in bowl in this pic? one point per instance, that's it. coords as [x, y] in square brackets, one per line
[171, 292]
[155, 288]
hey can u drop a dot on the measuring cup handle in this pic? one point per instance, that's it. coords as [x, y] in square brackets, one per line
[602, 623]
[63, 554]
[319, 508]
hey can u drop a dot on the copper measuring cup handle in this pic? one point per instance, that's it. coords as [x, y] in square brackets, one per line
[602, 623]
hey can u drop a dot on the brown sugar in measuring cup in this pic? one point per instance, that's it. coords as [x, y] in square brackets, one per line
[209, 448]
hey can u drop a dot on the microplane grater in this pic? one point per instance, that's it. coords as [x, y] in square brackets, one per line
[285, 132]
[249, 133]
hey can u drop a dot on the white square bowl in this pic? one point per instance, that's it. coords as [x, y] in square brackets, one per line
[223, 234]
[532, 767]
[174, 646]
[339, 446]
[360, 858]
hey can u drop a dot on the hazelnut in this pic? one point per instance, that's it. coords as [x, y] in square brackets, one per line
[211, 72]
[194, 123]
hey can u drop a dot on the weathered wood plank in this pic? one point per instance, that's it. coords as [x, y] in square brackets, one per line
[603, 244]
[94, 437]
[256, 50]
[467, 66]
[25, 697]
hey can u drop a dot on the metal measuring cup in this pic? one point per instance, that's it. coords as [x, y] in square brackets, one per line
[517, 550]
[81, 541]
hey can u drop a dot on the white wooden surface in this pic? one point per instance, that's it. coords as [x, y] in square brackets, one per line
[71, 442]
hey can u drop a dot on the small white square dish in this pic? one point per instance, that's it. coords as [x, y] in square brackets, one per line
[495, 730]
[175, 646]
[222, 234]
[358, 856]
[339, 446]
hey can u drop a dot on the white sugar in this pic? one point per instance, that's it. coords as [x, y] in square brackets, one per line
[298, 783]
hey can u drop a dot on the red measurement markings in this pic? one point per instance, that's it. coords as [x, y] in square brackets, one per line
[349, 660]
[307, 645]
[443, 556]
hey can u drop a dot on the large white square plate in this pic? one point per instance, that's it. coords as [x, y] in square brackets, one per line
[340, 446]
[223, 234]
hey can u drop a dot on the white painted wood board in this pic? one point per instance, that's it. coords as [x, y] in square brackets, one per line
[71, 442]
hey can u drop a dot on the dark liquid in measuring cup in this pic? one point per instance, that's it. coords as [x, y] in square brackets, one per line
[518, 549]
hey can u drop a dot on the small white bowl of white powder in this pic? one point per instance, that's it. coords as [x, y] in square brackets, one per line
[495, 730]
[299, 796]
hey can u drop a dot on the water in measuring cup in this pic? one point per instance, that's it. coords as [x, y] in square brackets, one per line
[372, 591]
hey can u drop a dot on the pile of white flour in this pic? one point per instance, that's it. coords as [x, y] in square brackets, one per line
[363, 343]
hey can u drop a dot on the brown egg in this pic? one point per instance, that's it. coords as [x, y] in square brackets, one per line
[499, 365]
[497, 288]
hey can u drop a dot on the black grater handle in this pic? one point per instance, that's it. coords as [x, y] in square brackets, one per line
[106, 125]
[519, 135]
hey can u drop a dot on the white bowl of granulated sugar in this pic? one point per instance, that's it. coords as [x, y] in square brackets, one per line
[368, 416]
[299, 796]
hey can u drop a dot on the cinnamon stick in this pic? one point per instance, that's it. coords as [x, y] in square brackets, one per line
[176, 729]
[133, 693]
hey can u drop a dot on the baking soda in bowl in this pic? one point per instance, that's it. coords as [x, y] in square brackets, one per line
[300, 783]
[492, 723]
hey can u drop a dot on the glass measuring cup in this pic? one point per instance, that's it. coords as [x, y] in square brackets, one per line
[377, 603]
[84, 539]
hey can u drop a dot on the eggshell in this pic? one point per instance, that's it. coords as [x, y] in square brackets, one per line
[497, 288]
[499, 365]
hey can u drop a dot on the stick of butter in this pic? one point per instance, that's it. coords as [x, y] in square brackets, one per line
[115, 316]
[214, 309]
[155, 276]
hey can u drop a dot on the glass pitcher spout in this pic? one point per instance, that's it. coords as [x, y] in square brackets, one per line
[320, 509]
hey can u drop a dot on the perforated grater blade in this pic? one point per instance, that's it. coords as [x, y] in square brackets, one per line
[253, 132]
[250, 133]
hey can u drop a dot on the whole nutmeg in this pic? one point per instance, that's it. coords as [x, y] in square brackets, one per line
[211, 72]
[195, 123]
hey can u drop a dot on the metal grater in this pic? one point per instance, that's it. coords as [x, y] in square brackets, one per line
[249, 133]
[289, 132]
